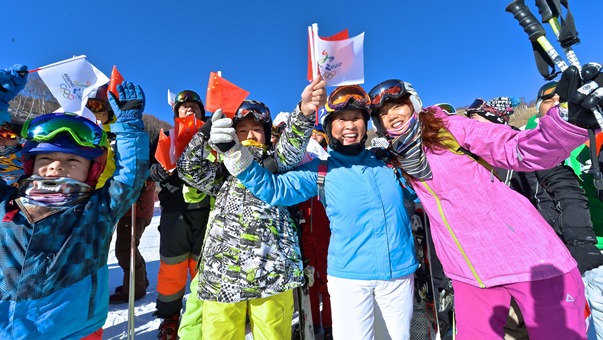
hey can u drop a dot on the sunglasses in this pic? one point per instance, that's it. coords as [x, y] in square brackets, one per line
[349, 96]
[5, 134]
[448, 108]
[389, 89]
[46, 127]
[97, 106]
[260, 111]
[187, 96]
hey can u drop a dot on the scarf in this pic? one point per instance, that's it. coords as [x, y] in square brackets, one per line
[60, 192]
[407, 145]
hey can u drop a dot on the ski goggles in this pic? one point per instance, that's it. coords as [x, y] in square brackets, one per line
[46, 127]
[389, 89]
[187, 96]
[6, 134]
[97, 105]
[476, 106]
[547, 90]
[259, 110]
[348, 96]
[448, 108]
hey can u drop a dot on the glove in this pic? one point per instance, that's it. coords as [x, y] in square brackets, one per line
[582, 92]
[587, 255]
[223, 136]
[129, 106]
[205, 130]
[12, 81]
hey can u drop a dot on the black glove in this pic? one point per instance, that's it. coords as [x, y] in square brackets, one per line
[206, 129]
[582, 92]
[587, 255]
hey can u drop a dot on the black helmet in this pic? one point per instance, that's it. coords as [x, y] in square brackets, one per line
[260, 112]
[188, 96]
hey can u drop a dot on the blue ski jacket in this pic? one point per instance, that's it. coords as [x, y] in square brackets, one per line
[371, 236]
[53, 273]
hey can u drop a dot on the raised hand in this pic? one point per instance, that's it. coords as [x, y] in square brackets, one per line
[583, 93]
[314, 96]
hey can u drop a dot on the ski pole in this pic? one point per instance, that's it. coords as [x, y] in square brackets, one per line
[536, 32]
[550, 11]
[131, 288]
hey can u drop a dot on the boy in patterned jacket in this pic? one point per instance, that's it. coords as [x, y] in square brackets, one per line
[56, 228]
[251, 259]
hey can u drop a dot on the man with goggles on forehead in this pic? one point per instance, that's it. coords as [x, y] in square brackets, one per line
[371, 253]
[56, 227]
[184, 213]
[468, 208]
[251, 259]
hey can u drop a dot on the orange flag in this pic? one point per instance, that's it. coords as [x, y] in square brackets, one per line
[337, 36]
[186, 128]
[222, 94]
[116, 79]
[165, 153]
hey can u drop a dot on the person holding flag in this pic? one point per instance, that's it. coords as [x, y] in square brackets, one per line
[56, 227]
[251, 258]
[181, 227]
[371, 256]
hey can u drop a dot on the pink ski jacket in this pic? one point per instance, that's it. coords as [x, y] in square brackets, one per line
[486, 234]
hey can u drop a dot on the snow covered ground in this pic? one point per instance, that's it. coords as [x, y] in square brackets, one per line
[146, 325]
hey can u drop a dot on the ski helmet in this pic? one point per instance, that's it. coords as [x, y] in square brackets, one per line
[547, 91]
[390, 90]
[260, 113]
[66, 133]
[188, 96]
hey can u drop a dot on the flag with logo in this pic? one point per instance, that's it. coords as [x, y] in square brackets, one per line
[70, 81]
[337, 36]
[222, 94]
[340, 61]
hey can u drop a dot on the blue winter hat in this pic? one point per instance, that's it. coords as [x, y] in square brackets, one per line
[63, 143]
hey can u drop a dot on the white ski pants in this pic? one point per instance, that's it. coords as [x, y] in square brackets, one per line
[353, 306]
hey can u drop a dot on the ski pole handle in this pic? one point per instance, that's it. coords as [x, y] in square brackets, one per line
[551, 16]
[526, 19]
[545, 10]
[534, 30]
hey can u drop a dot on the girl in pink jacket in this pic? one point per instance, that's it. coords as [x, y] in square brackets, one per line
[491, 241]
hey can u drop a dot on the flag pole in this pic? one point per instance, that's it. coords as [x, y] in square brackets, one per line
[131, 288]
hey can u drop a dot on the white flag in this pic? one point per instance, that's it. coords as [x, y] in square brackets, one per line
[341, 62]
[71, 81]
[171, 98]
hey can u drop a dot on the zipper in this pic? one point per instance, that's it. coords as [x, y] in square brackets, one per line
[456, 241]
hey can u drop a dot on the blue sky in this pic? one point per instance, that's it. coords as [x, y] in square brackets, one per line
[451, 51]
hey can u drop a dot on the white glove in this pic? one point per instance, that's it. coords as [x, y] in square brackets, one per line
[223, 136]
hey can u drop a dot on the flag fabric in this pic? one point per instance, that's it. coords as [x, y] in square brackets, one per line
[222, 94]
[165, 152]
[70, 81]
[341, 61]
[171, 98]
[169, 148]
[116, 79]
[337, 36]
[185, 128]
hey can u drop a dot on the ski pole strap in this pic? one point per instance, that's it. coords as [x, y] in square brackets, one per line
[596, 169]
[323, 167]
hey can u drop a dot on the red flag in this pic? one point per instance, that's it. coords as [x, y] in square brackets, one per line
[222, 94]
[116, 79]
[164, 151]
[185, 128]
[337, 36]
